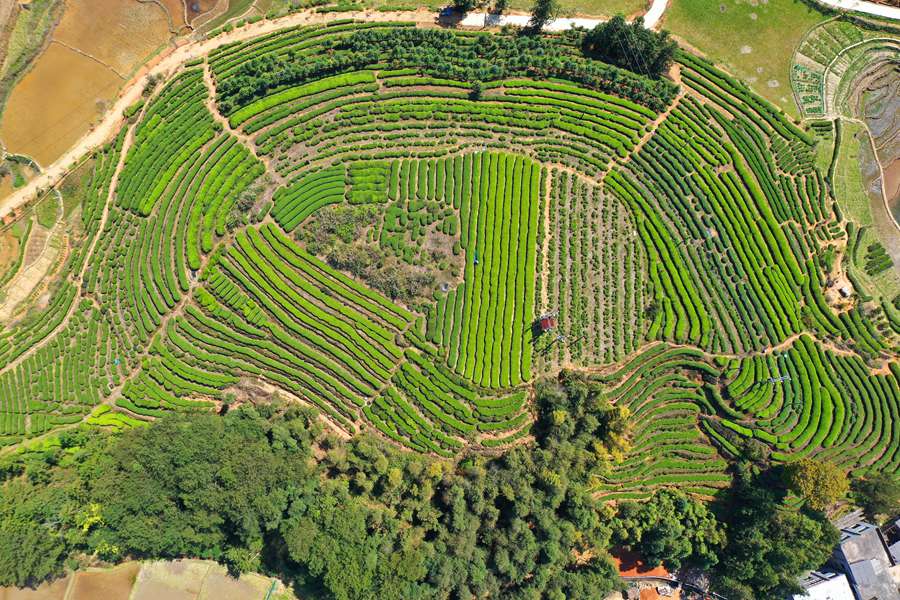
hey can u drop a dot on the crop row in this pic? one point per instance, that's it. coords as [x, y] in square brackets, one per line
[812, 401]
[486, 335]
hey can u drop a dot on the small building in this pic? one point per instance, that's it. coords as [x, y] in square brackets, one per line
[895, 551]
[892, 535]
[826, 585]
[644, 582]
[863, 555]
[844, 291]
[547, 322]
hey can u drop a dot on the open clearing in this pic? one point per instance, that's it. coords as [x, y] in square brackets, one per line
[41, 255]
[753, 39]
[156, 580]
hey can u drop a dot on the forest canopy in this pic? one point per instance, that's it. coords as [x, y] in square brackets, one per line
[269, 488]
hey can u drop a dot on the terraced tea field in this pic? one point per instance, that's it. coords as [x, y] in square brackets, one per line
[679, 233]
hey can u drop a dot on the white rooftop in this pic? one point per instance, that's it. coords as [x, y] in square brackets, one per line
[836, 588]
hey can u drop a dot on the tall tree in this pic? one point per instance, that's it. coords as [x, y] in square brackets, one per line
[819, 483]
[543, 12]
[631, 46]
[769, 545]
[670, 528]
[879, 494]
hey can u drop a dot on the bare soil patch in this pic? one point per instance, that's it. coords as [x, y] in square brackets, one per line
[176, 11]
[219, 585]
[96, 46]
[174, 580]
[27, 281]
[6, 186]
[892, 183]
[121, 34]
[113, 584]
[36, 244]
[54, 590]
[9, 250]
[55, 103]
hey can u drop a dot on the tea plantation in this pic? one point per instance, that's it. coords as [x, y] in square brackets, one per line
[256, 225]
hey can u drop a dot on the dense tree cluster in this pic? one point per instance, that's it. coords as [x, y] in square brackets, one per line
[670, 529]
[361, 521]
[631, 46]
[879, 494]
[441, 53]
[820, 484]
[271, 488]
[768, 546]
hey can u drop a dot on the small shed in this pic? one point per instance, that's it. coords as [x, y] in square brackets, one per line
[547, 322]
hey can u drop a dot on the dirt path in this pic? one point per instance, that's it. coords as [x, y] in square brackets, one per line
[79, 277]
[519, 19]
[167, 63]
[545, 244]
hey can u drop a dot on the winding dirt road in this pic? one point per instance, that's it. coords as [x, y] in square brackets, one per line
[163, 65]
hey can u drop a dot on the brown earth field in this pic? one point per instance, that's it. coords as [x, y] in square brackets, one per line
[154, 580]
[96, 47]
[119, 33]
[6, 185]
[199, 8]
[9, 250]
[892, 182]
[114, 584]
[176, 11]
[55, 103]
[55, 590]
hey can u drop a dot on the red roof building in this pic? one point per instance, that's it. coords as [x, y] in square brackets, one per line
[547, 322]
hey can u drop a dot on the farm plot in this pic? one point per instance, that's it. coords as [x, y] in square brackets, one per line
[824, 63]
[485, 323]
[700, 247]
[594, 275]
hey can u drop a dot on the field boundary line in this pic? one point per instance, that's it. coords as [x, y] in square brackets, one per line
[89, 56]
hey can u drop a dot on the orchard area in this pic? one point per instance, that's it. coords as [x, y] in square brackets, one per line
[436, 313]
